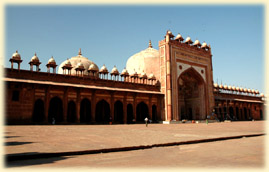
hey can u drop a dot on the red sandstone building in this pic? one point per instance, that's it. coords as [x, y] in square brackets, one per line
[171, 84]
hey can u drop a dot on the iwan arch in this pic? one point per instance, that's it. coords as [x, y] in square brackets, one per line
[165, 85]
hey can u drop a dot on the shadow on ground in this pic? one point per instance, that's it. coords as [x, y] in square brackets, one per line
[16, 143]
[30, 162]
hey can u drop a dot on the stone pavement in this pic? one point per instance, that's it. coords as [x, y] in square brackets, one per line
[21, 140]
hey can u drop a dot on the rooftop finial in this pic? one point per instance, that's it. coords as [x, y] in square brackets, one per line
[150, 46]
[79, 52]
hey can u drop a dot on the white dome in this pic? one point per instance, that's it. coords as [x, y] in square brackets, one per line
[188, 40]
[34, 58]
[124, 72]
[197, 43]
[103, 69]
[16, 56]
[51, 60]
[74, 62]
[114, 71]
[93, 67]
[146, 60]
[152, 77]
[179, 37]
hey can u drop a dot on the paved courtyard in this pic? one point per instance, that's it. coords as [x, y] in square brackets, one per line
[248, 151]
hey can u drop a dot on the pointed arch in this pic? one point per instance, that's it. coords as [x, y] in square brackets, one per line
[191, 102]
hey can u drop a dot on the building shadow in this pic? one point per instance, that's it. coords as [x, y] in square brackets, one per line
[30, 162]
[8, 137]
[16, 143]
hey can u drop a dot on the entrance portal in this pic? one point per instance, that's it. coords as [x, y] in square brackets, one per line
[191, 96]
[141, 112]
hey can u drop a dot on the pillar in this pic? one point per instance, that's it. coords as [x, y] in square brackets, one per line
[150, 107]
[65, 104]
[93, 104]
[47, 99]
[112, 105]
[125, 109]
[78, 106]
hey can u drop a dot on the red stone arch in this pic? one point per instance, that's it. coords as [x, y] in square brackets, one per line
[192, 99]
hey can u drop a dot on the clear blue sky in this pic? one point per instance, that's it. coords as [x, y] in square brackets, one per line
[111, 34]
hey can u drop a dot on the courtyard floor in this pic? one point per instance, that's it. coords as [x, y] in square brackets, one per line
[36, 140]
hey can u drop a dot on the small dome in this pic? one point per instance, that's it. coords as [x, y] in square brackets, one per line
[229, 87]
[216, 85]
[249, 91]
[51, 61]
[114, 71]
[80, 66]
[134, 74]
[233, 88]
[257, 91]
[124, 72]
[241, 89]
[143, 75]
[188, 40]
[34, 58]
[103, 69]
[67, 62]
[74, 62]
[225, 87]
[221, 86]
[179, 37]
[204, 45]
[262, 95]
[245, 90]
[197, 43]
[93, 67]
[16, 56]
[152, 77]
[237, 88]
[253, 91]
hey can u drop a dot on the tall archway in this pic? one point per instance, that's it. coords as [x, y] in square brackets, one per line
[130, 115]
[85, 110]
[237, 113]
[142, 112]
[71, 111]
[38, 112]
[102, 112]
[225, 113]
[118, 112]
[231, 113]
[245, 114]
[55, 110]
[154, 113]
[191, 95]
[261, 115]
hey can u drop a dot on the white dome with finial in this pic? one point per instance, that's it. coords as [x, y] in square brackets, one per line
[114, 71]
[74, 62]
[16, 56]
[51, 60]
[145, 60]
[34, 58]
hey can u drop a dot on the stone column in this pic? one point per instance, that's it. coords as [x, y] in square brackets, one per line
[150, 107]
[112, 105]
[93, 104]
[134, 107]
[65, 105]
[125, 109]
[78, 106]
[47, 99]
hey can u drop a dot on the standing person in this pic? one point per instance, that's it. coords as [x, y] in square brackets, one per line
[146, 120]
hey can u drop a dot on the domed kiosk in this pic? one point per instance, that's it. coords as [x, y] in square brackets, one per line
[146, 61]
[74, 61]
